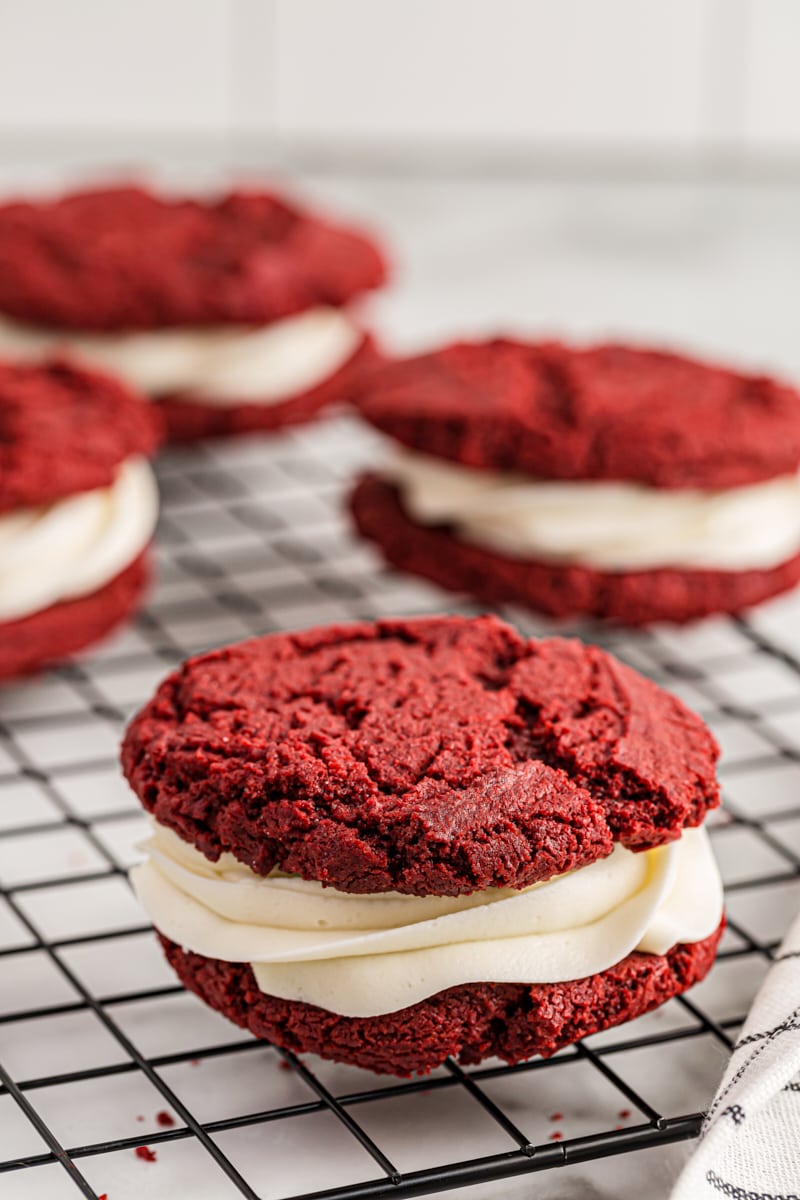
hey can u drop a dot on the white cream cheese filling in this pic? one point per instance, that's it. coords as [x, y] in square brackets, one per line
[219, 366]
[363, 955]
[75, 546]
[612, 526]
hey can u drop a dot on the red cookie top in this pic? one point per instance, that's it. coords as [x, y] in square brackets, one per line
[65, 430]
[438, 756]
[123, 258]
[604, 412]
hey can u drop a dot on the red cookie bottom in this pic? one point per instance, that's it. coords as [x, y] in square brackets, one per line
[512, 1021]
[190, 420]
[58, 631]
[631, 597]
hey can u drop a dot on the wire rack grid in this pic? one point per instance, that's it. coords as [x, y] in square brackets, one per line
[111, 1076]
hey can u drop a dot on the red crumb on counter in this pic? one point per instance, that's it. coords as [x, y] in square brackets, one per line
[557, 1136]
[556, 1116]
[145, 1153]
[624, 1113]
[165, 1119]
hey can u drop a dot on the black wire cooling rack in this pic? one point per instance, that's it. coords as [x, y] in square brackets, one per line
[117, 1083]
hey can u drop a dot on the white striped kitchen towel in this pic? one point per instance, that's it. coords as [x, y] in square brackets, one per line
[749, 1148]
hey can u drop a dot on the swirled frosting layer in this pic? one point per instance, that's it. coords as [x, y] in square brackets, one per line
[612, 526]
[76, 545]
[220, 366]
[363, 955]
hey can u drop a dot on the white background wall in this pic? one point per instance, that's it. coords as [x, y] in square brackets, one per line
[661, 76]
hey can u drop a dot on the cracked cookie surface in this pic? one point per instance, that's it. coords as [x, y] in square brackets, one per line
[126, 258]
[598, 412]
[65, 430]
[436, 756]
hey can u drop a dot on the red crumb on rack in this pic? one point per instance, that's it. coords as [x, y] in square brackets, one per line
[556, 1136]
[624, 1113]
[165, 1119]
[556, 1116]
[145, 1153]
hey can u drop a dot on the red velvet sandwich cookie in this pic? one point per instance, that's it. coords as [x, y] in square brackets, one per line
[78, 506]
[387, 843]
[232, 313]
[613, 482]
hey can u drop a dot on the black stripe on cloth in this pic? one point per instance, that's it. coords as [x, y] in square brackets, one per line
[784, 1027]
[765, 1038]
[739, 1193]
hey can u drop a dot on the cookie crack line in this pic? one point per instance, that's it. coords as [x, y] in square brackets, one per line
[435, 756]
[615, 789]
